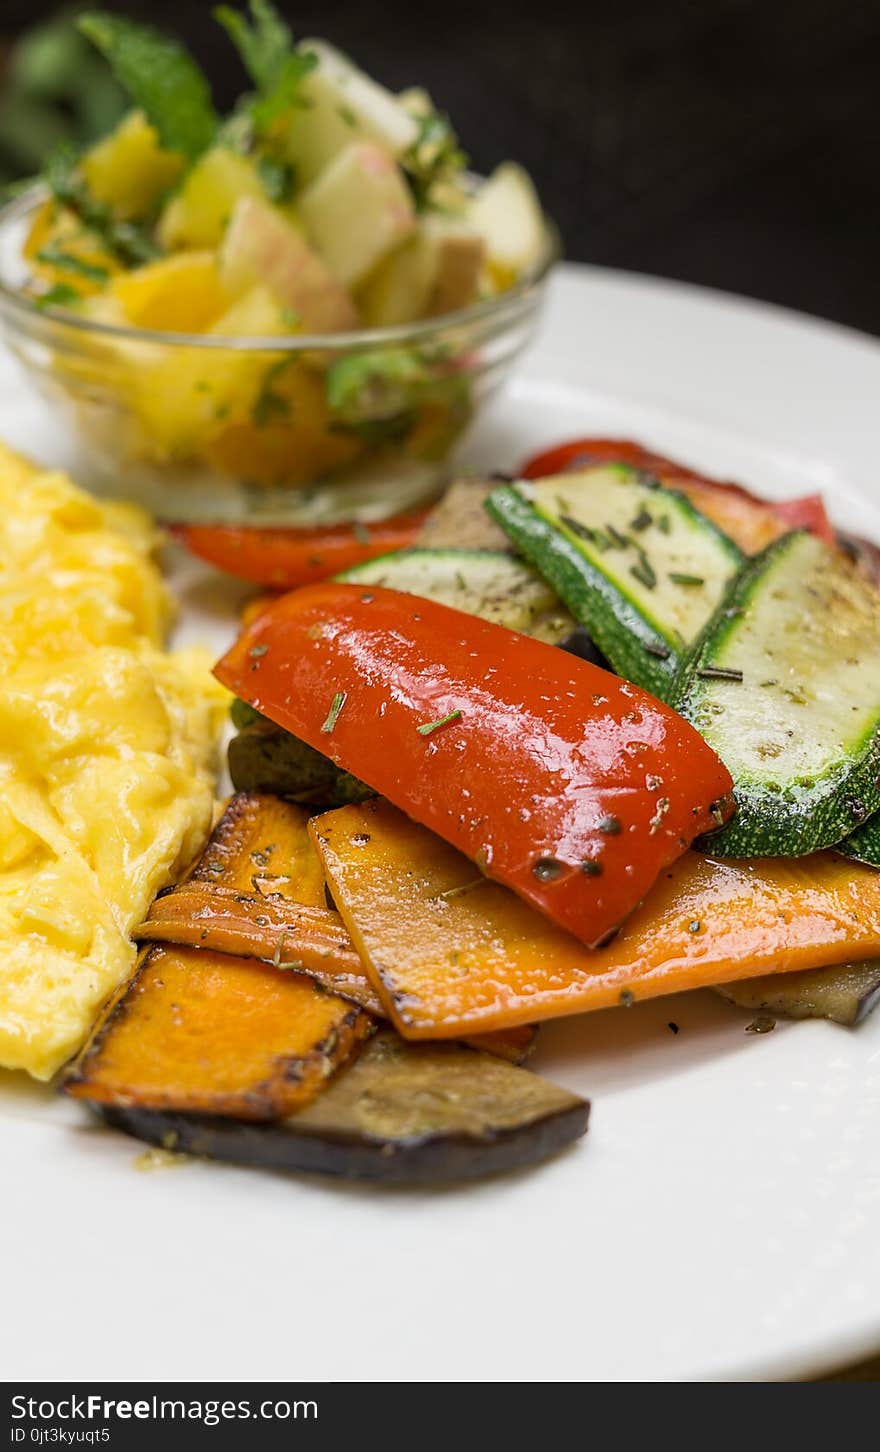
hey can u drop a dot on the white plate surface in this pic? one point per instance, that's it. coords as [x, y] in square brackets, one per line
[719, 1220]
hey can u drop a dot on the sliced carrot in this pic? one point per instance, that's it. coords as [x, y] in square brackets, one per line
[451, 953]
[210, 1034]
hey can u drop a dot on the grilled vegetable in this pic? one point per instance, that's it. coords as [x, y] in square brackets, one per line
[265, 758]
[864, 843]
[752, 523]
[227, 920]
[284, 558]
[402, 1114]
[786, 688]
[846, 994]
[449, 953]
[210, 1034]
[484, 583]
[459, 520]
[578, 808]
[636, 564]
[258, 891]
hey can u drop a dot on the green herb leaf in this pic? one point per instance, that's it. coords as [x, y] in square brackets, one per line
[265, 44]
[678, 578]
[430, 726]
[268, 403]
[160, 76]
[67, 262]
[333, 714]
[59, 296]
[126, 241]
[277, 178]
[434, 157]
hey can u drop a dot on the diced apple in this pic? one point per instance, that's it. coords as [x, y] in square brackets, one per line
[199, 214]
[343, 105]
[435, 272]
[357, 211]
[129, 170]
[261, 245]
[508, 215]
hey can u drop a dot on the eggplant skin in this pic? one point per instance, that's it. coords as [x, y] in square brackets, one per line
[401, 1113]
[430, 1160]
[844, 994]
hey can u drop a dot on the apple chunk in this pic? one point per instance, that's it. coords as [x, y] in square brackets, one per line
[357, 211]
[342, 105]
[507, 214]
[263, 246]
[435, 272]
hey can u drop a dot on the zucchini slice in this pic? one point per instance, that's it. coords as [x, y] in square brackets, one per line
[264, 757]
[635, 563]
[493, 586]
[845, 994]
[402, 1114]
[864, 843]
[785, 686]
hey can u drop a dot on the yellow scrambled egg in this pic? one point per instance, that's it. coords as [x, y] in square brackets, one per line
[107, 756]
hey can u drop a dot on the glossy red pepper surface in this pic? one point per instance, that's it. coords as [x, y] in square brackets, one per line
[560, 780]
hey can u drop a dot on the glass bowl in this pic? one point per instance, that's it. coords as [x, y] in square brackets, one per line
[294, 430]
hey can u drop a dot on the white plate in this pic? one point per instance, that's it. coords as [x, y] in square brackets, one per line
[719, 1220]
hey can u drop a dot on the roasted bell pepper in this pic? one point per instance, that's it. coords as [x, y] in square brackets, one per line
[285, 558]
[749, 520]
[556, 778]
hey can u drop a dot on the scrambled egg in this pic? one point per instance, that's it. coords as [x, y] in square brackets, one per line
[107, 756]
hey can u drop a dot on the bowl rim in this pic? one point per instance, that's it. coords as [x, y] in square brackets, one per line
[358, 339]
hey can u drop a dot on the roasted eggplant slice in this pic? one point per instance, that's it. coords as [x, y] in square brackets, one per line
[402, 1114]
[265, 758]
[845, 995]
[459, 520]
[207, 1033]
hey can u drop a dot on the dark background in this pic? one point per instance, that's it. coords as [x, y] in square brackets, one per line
[729, 142]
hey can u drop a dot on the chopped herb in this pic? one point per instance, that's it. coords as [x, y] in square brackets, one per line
[619, 540]
[346, 114]
[643, 520]
[678, 578]
[269, 403]
[333, 714]
[656, 822]
[644, 572]
[458, 891]
[664, 524]
[673, 1027]
[768, 683]
[360, 532]
[434, 157]
[67, 262]
[696, 926]
[275, 65]
[257, 650]
[627, 999]
[719, 673]
[547, 869]
[59, 296]
[126, 241]
[460, 580]
[277, 177]
[654, 647]
[610, 825]
[591, 868]
[279, 962]
[430, 726]
[290, 318]
[583, 531]
[763, 1024]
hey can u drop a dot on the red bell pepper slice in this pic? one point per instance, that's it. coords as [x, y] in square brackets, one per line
[562, 781]
[753, 522]
[285, 558]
